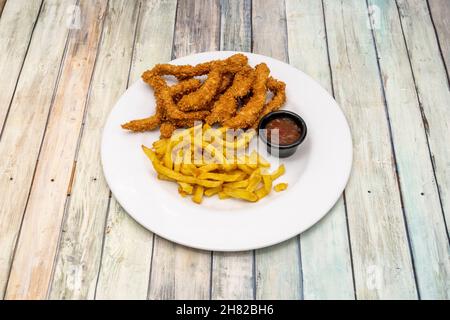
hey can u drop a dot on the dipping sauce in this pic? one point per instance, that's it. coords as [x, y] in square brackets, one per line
[288, 130]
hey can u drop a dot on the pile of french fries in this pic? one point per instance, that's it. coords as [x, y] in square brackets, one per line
[204, 162]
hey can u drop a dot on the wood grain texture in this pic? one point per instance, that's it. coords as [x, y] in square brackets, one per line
[440, 13]
[278, 274]
[236, 25]
[34, 258]
[16, 29]
[2, 5]
[381, 257]
[232, 273]
[326, 258]
[127, 253]
[179, 272]
[197, 27]
[79, 256]
[423, 211]
[22, 135]
[432, 88]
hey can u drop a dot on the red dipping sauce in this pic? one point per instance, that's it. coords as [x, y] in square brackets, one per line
[288, 130]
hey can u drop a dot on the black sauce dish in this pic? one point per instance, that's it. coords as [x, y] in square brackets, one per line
[282, 150]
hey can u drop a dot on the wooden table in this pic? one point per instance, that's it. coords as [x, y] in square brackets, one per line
[64, 64]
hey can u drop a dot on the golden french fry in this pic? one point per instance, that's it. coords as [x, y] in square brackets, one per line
[223, 195]
[280, 187]
[237, 184]
[163, 177]
[267, 180]
[178, 161]
[279, 172]
[212, 191]
[176, 175]
[245, 168]
[186, 187]
[198, 194]
[204, 161]
[241, 194]
[209, 167]
[254, 180]
[261, 192]
[219, 176]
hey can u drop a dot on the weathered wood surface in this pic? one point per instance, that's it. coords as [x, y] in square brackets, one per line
[24, 129]
[381, 257]
[432, 88]
[78, 262]
[232, 273]
[127, 254]
[278, 268]
[423, 212]
[440, 15]
[386, 238]
[325, 253]
[35, 256]
[16, 29]
[179, 272]
[2, 5]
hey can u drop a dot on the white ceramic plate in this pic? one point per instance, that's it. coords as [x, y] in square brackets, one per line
[317, 173]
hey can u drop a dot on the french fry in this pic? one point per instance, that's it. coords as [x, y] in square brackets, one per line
[228, 172]
[241, 194]
[178, 161]
[209, 167]
[219, 176]
[254, 180]
[186, 187]
[212, 191]
[223, 195]
[176, 175]
[280, 187]
[279, 172]
[261, 192]
[198, 194]
[237, 184]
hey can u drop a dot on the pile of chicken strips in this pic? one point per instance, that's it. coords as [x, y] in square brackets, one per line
[229, 93]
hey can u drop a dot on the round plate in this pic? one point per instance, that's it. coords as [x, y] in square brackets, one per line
[317, 173]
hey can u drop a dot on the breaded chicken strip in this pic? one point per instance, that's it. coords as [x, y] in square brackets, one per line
[234, 63]
[278, 89]
[200, 99]
[250, 112]
[151, 123]
[225, 107]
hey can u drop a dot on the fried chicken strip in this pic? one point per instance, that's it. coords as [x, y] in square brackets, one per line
[225, 107]
[200, 99]
[151, 123]
[250, 112]
[234, 62]
[279, 98]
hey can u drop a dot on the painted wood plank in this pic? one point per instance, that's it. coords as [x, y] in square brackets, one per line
[127, 253]
[179, 272]
[34, 258]
[326, 257]
[423, 211]
[381, 257]
[236, 25]
[16, 28]
[432, 88]
[79, 255]
[22, 135]
[2, 5]
[232, 272]
[278, 268]
[440, 14]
